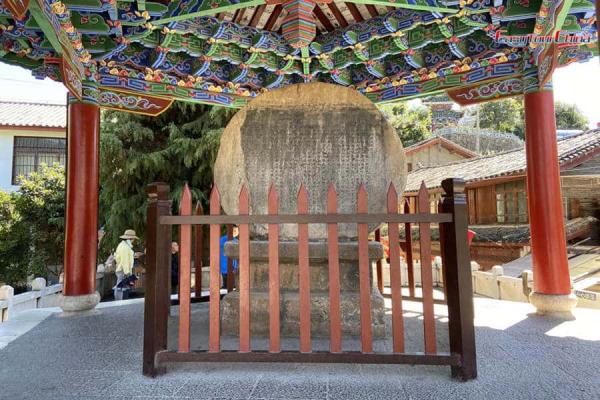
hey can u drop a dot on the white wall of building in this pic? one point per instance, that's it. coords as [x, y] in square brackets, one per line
[7, 140]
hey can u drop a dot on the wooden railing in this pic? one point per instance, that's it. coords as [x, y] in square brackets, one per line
[452, 220]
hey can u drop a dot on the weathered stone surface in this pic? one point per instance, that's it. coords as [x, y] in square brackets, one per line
[73, 304]
[319, 291]
[38, 284]
[206, 279]
[560, 305]
[6, 292]
[290, 314]
[313, 134]
[317, 251]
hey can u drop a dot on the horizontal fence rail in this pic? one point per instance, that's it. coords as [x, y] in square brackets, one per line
[451, 218]
[306, 219]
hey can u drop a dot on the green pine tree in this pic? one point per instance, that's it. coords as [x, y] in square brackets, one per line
[568, 116]
[412, 123]
[32, 225]
[176, 147]
[506, 115]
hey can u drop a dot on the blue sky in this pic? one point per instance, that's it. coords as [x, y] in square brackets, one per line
[576, 83]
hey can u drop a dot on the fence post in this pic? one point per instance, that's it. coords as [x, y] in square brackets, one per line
[458, 279]
[156, 298]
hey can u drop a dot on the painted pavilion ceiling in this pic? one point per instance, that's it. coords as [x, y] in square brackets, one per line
[140, 54]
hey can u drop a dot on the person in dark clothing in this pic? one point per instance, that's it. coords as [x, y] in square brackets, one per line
[174, 266]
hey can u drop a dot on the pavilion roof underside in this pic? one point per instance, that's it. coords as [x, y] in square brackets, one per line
[228, 51]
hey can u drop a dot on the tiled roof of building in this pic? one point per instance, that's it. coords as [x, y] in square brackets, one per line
[572, 151]
[15, 113]
[482, 141]
[450, 145]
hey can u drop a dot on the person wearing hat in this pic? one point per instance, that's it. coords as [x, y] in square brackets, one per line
[124, 255]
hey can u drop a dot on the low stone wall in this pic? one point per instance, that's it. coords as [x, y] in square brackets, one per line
[486, 255]
[437, 273]
[496, 285]
[40, 296]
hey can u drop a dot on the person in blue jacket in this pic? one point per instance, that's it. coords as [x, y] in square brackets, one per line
[224, 258]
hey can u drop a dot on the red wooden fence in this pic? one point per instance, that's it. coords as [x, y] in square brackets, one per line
[452, 220]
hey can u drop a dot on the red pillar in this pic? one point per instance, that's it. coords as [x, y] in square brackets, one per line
[548, 243]
[81, 231]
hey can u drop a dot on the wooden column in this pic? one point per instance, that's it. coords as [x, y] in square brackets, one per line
[548, 243]
[81, 230]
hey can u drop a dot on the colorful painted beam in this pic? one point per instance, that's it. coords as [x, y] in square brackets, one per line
[207, 9]
[487, 91]
[18, 8]
[417, 6]
[133, 102]
[298, 27]
[171, 51]
[54, 20]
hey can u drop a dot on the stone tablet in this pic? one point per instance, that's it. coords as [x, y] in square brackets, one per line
[315, 134]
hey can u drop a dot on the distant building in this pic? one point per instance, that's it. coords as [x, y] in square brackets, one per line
[565, 133]
[481, 141]
[497, 195]
[31, 134]
[435, 151]
[496, 184]
[442, 113]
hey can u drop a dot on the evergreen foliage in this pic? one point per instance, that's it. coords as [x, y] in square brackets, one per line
[176, 147]
[505, 115]
[568, 116]
[32, 225]
[412, 123]
[508, 115]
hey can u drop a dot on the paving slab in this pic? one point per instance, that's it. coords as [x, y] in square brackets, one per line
[99, 356]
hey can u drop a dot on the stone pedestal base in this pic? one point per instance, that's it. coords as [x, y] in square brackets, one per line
[289, 296]
[73, 304]
[553, 304]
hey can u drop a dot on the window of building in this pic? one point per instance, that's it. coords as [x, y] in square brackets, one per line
[409, 167]
[29, 153]
[511, 203]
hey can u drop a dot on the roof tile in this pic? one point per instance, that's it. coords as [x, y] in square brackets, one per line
[15, 113]
[503, 164]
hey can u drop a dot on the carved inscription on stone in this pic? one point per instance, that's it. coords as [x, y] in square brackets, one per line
[345, 142]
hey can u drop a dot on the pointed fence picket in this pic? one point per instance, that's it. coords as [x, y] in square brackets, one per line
[395, 274]
[364, 273]
[335, 324]
[214, 338]
[426, 273]
[303, 273]
[185, 237]
[273, 237]
[198, 253]
[451, 217]
[244, 267]
[408, 251]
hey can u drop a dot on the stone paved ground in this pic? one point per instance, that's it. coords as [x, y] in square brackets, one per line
[99, 357]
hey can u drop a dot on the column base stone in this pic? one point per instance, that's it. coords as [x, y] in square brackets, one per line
[76, 304]
[560, 305]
